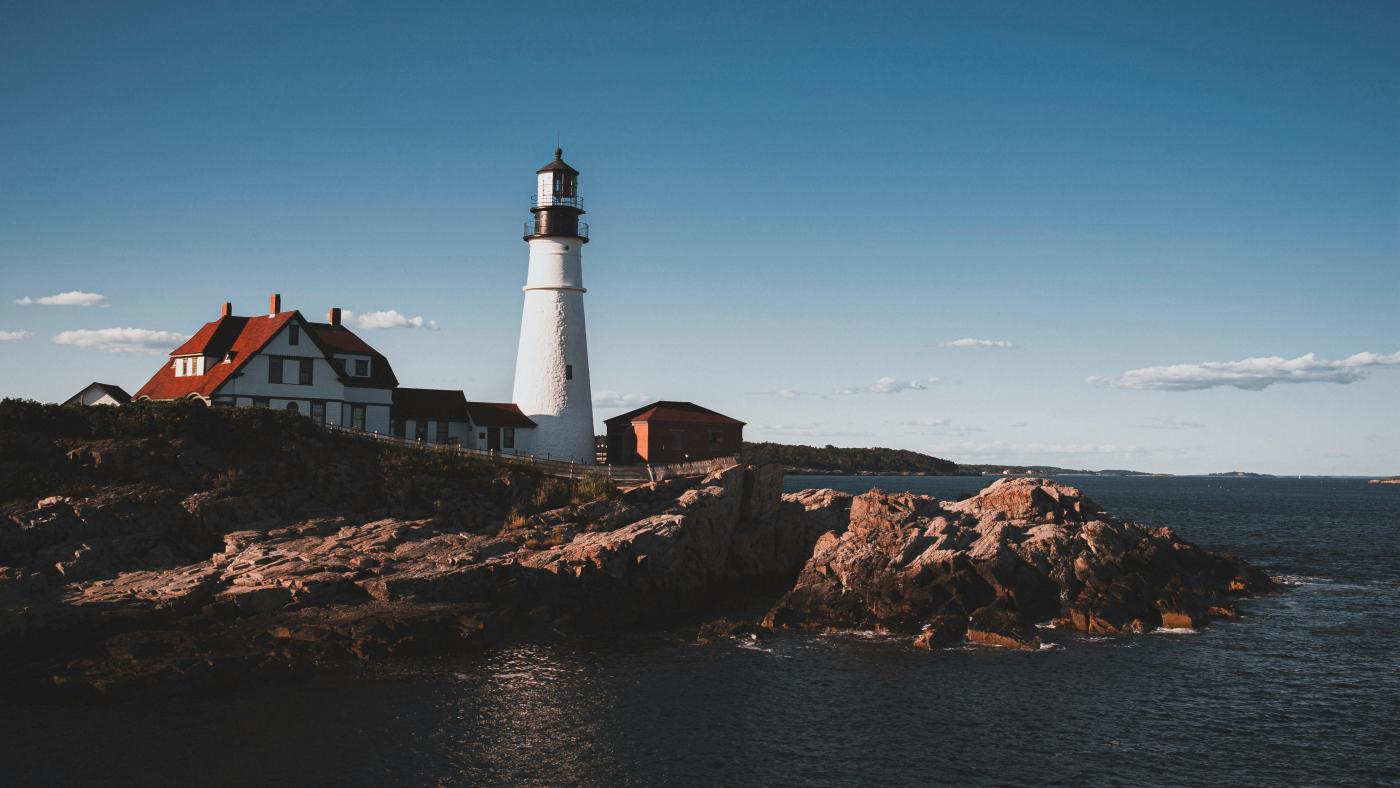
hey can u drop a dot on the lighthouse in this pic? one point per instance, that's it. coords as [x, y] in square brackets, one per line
[551, 365]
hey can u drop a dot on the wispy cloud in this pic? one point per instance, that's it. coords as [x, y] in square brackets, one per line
[604, 398]
[1169, 423]
[810, 430]
[889, 385]
[941, 425]
[1034, 452]
[980, 344]
[388, 318]
[11, 336]
[1251, 374]
[121, 340]
[70, 298]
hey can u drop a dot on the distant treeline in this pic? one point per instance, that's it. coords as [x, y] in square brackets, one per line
[832, 458]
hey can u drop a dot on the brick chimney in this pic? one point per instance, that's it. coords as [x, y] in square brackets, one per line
[335, 316]
[228, 308]
[274, 304]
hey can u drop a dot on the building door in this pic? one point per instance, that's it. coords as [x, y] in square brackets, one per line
[493, 438]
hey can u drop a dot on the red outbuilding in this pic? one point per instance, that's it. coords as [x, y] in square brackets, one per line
[666, 432]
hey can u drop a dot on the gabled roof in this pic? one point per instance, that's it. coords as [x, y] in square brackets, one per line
[434, 404]
[498, 414]
[242, 336]
[339, 339]
[557, 164]
[115, 392]
[672, 411]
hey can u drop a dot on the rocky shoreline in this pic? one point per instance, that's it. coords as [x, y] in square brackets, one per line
[142, 583]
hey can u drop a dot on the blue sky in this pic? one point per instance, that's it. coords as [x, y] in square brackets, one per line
[791, 203]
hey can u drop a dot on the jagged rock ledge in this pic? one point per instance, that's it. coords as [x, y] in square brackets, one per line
[987, 569]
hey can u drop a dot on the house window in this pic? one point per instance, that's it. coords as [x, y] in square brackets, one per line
[260, 402]
[568, 372]
[274, 369]
[294, 335]
[304, 374]
[318, 412]
[508, 438]
[293, 407]
[441, 436]
[481, 436]
[357, 417]
[361, 368]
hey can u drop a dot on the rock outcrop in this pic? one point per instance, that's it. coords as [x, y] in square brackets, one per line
[987, 569]
[217, 544]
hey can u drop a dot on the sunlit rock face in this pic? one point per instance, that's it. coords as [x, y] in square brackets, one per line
[988, 568]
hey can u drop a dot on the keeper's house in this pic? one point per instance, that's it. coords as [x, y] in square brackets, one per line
[668, 432]
[326, 372]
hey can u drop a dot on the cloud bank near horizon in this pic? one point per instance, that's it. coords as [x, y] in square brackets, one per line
[121, 340]
[1250, 374]
[11, 336]
[70, 298]
[606, 398]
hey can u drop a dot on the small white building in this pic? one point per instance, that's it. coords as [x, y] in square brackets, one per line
[99, 394]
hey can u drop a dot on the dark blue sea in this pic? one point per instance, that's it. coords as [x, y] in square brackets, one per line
[1305, 689]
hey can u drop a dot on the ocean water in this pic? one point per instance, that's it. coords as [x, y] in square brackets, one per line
[1305, 689]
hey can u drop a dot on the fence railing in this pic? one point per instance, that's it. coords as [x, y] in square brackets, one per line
[618, 474]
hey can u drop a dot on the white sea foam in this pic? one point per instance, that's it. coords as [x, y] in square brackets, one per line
[1173, 631]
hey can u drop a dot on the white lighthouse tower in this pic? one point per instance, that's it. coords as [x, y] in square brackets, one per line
[551, 366]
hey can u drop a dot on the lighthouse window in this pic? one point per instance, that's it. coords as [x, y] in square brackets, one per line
[568, 371]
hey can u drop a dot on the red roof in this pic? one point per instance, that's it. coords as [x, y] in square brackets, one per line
[243, 336]
[671, 411]
[339, 339]
[498, 414]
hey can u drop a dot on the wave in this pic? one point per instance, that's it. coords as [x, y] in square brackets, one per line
[1173, 631]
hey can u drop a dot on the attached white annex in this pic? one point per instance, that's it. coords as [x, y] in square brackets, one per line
[551, 367]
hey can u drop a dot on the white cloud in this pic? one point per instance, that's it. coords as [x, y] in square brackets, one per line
[121, 340]
[10, 336]
[388, 318]
[787, 394]
[981, 344]
[70, 298]
[889, 385]
[1251, 374]
[1170, 423]
[603, 398]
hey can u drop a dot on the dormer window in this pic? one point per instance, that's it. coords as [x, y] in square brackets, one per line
[361, 367]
